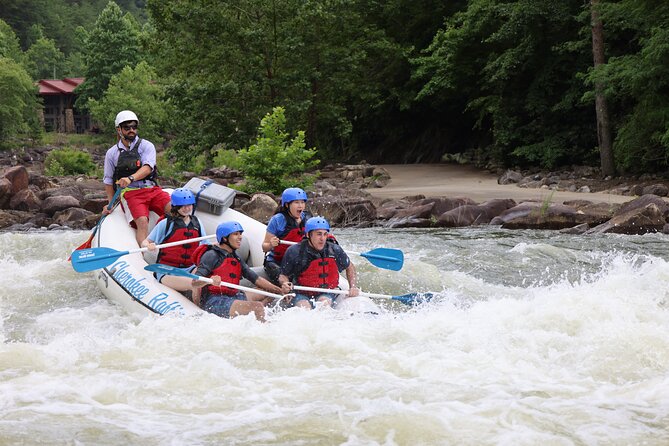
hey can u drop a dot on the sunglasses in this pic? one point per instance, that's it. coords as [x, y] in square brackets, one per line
[127, 128]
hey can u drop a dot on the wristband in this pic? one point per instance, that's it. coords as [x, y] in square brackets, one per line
[131, 178]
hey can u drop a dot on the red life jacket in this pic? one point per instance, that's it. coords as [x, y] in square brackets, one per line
[321, 270]
[292, 233]
[230, 270]
[180, 256]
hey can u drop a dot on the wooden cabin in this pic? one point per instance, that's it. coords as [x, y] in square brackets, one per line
[58, 112]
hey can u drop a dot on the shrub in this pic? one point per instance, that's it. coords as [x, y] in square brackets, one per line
[69, 161]
[274, 163]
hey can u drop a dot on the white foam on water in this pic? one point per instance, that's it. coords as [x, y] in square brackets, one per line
[566, 359]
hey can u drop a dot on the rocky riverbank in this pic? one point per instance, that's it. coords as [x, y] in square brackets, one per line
[29, 200]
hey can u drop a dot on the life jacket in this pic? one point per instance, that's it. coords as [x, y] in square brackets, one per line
[180, 255]
[230, 270]
[129, 162]
[292, 233]
[318, 270]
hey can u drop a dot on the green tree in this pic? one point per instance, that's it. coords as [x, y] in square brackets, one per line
[230, 62]
[636, 80]
[9, 43]
[111, 45]
[135, 89]
[512, 67]
[18, 100]
[276, 162]
[44, 60]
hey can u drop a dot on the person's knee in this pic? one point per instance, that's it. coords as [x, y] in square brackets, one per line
[142, 222]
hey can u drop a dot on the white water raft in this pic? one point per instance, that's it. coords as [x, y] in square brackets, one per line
[126, 282]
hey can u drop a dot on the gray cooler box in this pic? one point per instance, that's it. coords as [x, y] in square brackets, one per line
[211, 197]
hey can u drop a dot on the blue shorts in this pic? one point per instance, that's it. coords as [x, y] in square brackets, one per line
[312, 299]
[219, 304]
[159, 276]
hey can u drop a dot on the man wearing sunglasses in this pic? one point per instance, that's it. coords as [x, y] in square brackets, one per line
[131, 165]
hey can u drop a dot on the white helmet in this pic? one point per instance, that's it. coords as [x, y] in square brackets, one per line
[124, 116]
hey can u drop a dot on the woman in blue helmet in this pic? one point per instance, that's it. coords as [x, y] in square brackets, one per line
[316, 262]
[222, 264]
[179, 224]
[287, 223]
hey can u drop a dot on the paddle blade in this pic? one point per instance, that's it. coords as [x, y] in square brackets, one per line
[386, 258]
[85, 260]
[85, 245]
[414, 298]
[169, 270]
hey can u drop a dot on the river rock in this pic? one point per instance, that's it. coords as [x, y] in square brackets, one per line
[535, 215]
[468, 215]
[57, 203]
[19, 177]
[343, 211]
[444, 204]
[72, 217]
[261, 207]
[5, 192]
[26, 200]
[636, 220]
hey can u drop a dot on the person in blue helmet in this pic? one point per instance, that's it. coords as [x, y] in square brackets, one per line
[316, 262]
[223, 265]
[180, 224]
[287, 224]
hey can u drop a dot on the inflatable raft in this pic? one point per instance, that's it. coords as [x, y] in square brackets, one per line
[126, 282]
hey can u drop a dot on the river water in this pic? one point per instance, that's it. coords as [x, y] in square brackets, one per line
[532, 338]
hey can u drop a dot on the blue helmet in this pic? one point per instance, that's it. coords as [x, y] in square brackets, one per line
[316, 223]
[292, 194]
[227, 228]
[182, 197]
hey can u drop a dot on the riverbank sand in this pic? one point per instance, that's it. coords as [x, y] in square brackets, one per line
[454, 180]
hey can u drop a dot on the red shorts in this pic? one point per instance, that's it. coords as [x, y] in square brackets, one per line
[141, 201]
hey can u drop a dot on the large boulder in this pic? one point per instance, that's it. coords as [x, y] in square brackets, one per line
[75, 218]
[59, 203]
[261, 207]
[19, 177]
[444, 204]
[635, 220]
[535, 215]
[26, 200]
[342, 210]
[417, 211]
[5, 192]
[479, 214]
[9, 218]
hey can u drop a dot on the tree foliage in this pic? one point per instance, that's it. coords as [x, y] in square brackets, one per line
[637, 81]
[135, 89]
[44, 60]
[507, 81]
[111, 45]
[275, 161]
[512, 65]
[9, 43]
[230, 62]
[18, 100]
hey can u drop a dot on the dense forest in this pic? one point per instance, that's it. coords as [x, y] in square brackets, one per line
[504, 82]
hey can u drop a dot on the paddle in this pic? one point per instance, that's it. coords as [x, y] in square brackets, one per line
[174, 271]
[87, 243]
[408, 299]
[95, 258]
[386, 258]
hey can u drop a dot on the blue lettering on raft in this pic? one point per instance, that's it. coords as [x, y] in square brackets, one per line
[139, 290]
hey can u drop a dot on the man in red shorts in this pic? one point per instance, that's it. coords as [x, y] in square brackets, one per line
[131, 164]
